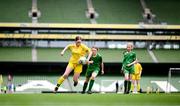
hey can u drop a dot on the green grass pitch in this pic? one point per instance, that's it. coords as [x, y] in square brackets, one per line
[90, 100]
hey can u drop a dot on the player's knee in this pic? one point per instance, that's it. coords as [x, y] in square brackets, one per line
[87, 80]
[126, 78]
[92, 77]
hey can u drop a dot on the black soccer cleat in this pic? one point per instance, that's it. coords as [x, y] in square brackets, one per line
[83, 92]
[126, 92]
[75, 84]
[89, 92]
[140, 91]
[55, 89]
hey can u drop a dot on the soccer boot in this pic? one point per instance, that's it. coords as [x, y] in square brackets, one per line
[75, 84]
[55, 89]
[83, 92]
[89, 92]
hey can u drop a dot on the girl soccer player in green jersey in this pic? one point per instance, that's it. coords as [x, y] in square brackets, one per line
[128, 66]
[93, 69]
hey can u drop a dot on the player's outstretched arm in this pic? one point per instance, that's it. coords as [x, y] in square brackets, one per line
[89, 55]
[62, 52]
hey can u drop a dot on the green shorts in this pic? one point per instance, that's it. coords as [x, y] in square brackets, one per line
[129, 70]
[89, 72]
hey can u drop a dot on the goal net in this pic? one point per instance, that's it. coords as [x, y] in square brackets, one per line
[173, 83]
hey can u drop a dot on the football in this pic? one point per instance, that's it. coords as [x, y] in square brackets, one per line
[82, 60]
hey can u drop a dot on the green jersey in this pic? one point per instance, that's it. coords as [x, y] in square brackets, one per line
[97, 60]
[129, 57]
[95, 66]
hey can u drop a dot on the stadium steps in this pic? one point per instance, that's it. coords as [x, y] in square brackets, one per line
[166, 11]
[118, 11]
[15, 10]
[62, 11]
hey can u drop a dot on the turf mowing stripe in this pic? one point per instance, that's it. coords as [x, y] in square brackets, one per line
[89, 100]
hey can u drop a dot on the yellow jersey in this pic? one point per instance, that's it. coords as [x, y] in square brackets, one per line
[77, 52]
[137, 69]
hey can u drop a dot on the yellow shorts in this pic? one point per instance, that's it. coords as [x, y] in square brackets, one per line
[136, 77]
[76, 67]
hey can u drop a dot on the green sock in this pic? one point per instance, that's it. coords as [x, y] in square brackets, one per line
[85, 86]
[91, 85]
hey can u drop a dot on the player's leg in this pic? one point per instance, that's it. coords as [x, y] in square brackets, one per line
[129, 83]
[126, 79]
[77, 72]
[75, 78]
[133, 83]
[91, 83]
[88, 75]
[138, 85]
[85, 85]
[61, 79]
[131, 72]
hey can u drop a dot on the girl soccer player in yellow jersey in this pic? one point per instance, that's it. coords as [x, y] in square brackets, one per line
[78, 50]
[136, 77]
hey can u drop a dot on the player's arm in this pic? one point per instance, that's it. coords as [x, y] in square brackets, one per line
[135, 60]
[102, 68]
[122, 70]
[89, 56]
[130, 64]
[140, 68]
[62, 52]
[88, 50]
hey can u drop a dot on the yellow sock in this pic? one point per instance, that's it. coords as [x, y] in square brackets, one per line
[60, 80]
[132, 87]
[138, 87]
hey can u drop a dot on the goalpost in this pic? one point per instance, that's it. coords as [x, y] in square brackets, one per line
[173, 81]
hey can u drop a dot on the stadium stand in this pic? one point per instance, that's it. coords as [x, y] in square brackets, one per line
[118, 11]
[15, 54]
[109, 55]
[167, 55]
[51, 54]
[62, 11]
[73, 11]
[15, 10]
[166, 12]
